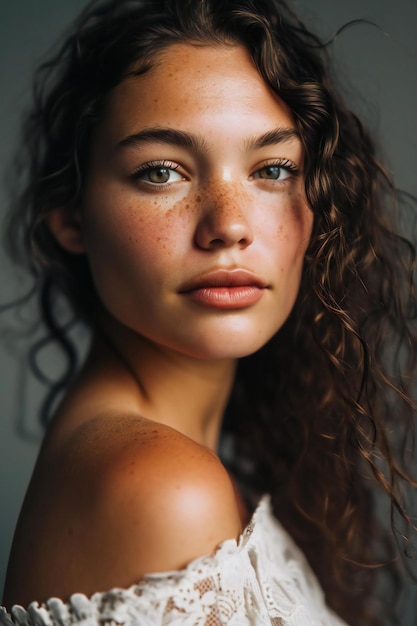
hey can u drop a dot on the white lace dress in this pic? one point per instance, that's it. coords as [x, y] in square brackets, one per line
[261, 580]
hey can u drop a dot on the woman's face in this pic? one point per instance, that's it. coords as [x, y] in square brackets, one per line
[194, 217]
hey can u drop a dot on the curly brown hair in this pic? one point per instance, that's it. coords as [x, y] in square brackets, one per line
[320, 417]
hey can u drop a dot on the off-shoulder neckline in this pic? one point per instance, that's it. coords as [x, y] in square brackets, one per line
[225, 549]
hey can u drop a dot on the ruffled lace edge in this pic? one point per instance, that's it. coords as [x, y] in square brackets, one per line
[82, 607]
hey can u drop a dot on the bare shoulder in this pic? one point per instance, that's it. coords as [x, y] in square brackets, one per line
[173, 494]
[126, 498]
[170, 498]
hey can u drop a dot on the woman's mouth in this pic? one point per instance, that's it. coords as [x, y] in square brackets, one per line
[226, 289]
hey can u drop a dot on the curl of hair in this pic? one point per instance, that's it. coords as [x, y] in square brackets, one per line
[320, 416]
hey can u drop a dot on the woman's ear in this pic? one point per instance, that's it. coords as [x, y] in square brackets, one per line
[65, 225]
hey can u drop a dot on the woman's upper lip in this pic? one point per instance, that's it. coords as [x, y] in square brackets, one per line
[224, 278]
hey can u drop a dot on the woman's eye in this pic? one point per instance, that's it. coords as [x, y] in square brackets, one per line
[158, 175]
[272, 172]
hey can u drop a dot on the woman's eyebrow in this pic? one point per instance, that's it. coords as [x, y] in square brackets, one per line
[198, 143]
[165, 135]
[272, 137]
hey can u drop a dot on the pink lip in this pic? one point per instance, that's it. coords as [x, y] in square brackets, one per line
[226, 289]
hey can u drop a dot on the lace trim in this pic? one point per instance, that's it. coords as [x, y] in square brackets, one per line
[261, 579]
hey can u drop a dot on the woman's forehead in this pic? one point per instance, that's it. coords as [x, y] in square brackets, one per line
[214, 86]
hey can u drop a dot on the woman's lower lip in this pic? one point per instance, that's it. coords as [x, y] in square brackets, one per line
[227, 297]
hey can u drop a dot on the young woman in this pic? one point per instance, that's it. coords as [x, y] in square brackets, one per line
[218, 218]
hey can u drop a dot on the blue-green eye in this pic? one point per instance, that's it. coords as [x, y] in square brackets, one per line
[272, 172]
[158, 173]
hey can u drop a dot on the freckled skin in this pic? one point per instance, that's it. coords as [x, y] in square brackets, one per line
[144, 242]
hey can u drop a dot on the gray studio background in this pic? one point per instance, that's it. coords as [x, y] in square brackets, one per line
[379, 67]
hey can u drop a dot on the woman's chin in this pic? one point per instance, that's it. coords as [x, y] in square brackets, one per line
[226, 348]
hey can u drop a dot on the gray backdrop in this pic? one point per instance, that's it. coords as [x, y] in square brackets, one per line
[379, 69]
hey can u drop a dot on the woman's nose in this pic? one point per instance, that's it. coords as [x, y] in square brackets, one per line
[224, 219]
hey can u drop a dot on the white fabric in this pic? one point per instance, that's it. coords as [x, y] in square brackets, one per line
[261, 580]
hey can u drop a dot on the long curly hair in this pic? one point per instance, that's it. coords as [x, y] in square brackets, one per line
[321, 416]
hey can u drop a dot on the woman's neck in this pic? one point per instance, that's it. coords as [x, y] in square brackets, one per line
[180, 391]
